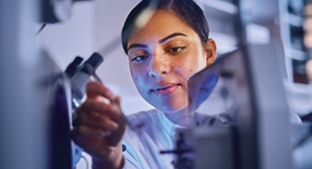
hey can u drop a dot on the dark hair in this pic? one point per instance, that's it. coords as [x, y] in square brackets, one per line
[186, 10]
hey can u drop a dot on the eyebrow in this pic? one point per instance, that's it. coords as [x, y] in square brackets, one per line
[134, 45]
[171, 36]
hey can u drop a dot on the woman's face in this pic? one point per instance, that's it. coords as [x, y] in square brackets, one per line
[162, 56]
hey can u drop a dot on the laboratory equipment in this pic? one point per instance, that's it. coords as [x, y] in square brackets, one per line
[80, 76]
[257, 129]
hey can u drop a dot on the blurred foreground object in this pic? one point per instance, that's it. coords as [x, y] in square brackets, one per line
[57, 10]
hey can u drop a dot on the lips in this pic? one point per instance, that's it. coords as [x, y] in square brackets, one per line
[165, 88]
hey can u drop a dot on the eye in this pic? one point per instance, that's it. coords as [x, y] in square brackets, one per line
[139, 58]
[176, 50]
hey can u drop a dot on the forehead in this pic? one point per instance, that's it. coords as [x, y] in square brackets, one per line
[162, 23]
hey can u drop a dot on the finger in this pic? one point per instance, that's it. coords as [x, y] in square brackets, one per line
[94, 89]
[92, 140]
[118, 99]
[83, 133]
[91, 105]
[122, 119]
[98, 120]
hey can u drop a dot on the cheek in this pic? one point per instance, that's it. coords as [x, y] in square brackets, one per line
[137, 77]
[134, 75]
[191, 63]
[188, 68]
[191, 71]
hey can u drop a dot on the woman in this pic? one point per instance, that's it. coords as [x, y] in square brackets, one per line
[171, 47]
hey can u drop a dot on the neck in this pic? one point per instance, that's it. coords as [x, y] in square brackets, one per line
[180, 117]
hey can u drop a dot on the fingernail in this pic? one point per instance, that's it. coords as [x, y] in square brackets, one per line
[105, 133]
[113, 127]
[110, 94]
[115, 108]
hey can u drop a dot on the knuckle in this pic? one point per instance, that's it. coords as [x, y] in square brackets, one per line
[90, 85]
[114, 109]
[103, 121]
[82, 130]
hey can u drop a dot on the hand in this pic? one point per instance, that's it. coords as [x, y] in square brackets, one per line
[99, 128]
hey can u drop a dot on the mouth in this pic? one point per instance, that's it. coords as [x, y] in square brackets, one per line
[165, 89]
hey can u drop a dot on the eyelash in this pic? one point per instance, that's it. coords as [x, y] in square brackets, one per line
[137, 57]
[179, 48]
[140, 59]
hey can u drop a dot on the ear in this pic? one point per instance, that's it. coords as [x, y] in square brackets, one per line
[211, 51]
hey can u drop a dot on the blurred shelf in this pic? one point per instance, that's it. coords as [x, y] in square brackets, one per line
[221, 17]
[222, 6]
[225, 43]
[292, 35]
[298, 55]
[218, 9]
[301, 88]
[299, 97]
[294, 20]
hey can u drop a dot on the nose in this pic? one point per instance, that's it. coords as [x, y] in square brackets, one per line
[159, 66]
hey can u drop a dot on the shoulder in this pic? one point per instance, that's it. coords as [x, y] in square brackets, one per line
[143, 123]
[147, 118]
[142, 115]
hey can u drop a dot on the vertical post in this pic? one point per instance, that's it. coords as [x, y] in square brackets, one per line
[22, 140]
